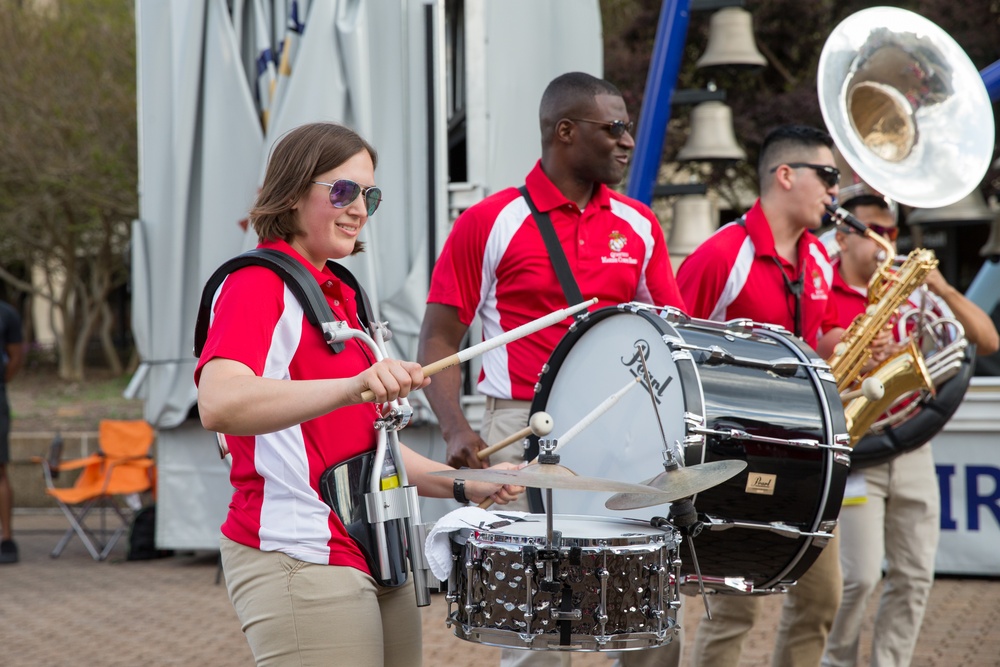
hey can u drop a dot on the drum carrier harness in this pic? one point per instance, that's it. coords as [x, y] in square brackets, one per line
[370, 492]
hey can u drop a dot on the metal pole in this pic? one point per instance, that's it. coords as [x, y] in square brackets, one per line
[991, 77]
[671, 33]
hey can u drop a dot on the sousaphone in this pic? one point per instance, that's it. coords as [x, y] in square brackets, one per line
[911, 116]
[906, 107]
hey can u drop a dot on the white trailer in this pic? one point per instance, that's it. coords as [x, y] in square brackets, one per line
[446, 90]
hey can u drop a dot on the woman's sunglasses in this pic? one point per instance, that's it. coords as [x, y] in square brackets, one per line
[343, 192]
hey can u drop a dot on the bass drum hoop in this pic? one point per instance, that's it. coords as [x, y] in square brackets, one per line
[877, 448]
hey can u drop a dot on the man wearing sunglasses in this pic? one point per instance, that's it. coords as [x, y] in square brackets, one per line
[770, 268]
[892, 510]
[495, 265]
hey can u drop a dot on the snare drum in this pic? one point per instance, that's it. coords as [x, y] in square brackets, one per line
[601, 585]
[736, 390]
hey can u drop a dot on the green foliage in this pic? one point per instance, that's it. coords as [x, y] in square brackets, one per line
[68, 172]
[69, 113]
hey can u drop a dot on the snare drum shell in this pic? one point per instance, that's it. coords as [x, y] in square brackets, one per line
[612, 574]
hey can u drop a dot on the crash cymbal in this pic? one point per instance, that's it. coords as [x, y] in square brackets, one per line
[547, 476]
[677, 483]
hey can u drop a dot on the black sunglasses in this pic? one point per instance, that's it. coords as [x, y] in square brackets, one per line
[344, 191]
[829, 175]
[616, 128]
[888, 233]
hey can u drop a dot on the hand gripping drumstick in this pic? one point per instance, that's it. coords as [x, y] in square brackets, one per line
[495, 342]
[589, 419]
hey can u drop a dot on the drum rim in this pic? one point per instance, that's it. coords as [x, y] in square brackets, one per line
[645, 533]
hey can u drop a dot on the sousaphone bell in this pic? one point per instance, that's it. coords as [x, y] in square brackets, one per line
[906, 107]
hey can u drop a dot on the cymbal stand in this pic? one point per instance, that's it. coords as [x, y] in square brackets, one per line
[683, 515]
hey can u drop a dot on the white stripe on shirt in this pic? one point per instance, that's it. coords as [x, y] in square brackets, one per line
[644, 228]
[293, 519]
[495, 363]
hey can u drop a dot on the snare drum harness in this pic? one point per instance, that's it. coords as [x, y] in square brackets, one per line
[379, 519]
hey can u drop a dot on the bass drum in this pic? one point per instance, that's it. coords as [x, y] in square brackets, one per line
[722, 391]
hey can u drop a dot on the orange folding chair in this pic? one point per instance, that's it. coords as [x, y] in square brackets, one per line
[121, 467]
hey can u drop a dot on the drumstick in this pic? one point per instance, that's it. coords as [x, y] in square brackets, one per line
[482, 454]
[540, 424]
[592, 416]
[508, 336]
[589, 419]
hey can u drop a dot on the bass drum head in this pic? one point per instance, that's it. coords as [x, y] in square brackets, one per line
[598, 357]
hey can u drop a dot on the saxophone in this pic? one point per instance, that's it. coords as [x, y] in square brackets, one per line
[866, 396]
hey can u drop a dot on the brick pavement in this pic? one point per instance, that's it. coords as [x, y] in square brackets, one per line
[74, 611]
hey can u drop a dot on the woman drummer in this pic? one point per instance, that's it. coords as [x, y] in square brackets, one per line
[291, 409]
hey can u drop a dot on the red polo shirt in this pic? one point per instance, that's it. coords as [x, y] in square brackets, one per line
[494, 264]
[852, 301]
[735, 273]
[276, 503]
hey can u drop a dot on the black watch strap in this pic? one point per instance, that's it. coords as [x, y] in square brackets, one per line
[458, 490]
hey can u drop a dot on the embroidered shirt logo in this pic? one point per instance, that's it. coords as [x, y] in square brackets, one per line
[616, 243]
[819, 291]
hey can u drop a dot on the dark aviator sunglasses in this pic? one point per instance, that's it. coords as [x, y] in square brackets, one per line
[616, 128]
[829, 175]
[344, 191]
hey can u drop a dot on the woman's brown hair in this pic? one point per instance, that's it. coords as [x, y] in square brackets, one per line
[298, 158]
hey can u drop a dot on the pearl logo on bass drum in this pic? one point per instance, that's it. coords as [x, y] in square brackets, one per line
[761, 484]
[634, 366]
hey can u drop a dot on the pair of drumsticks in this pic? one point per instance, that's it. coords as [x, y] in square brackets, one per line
[507, 337]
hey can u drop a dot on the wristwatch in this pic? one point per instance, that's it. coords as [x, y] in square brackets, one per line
[458, 490]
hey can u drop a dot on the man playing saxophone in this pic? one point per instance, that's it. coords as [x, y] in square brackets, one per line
[891, 510]
[767, 266]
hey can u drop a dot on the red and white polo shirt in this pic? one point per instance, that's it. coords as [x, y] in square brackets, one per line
[494, 264]
[737, 273]
[276, 503]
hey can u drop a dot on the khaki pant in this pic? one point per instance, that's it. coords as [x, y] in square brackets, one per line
[898, 522]
[498, 423]
[807, 614]
[298, 613]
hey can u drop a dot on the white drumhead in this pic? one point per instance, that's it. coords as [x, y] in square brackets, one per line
[625, 443]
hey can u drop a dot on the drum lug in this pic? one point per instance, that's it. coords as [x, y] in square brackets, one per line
[674, 316]
[821, 541]
[738, 584]
[681, 355]
[602, 611]
[693, 419]
[573, 615]
[469, 606]
[771, 327]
